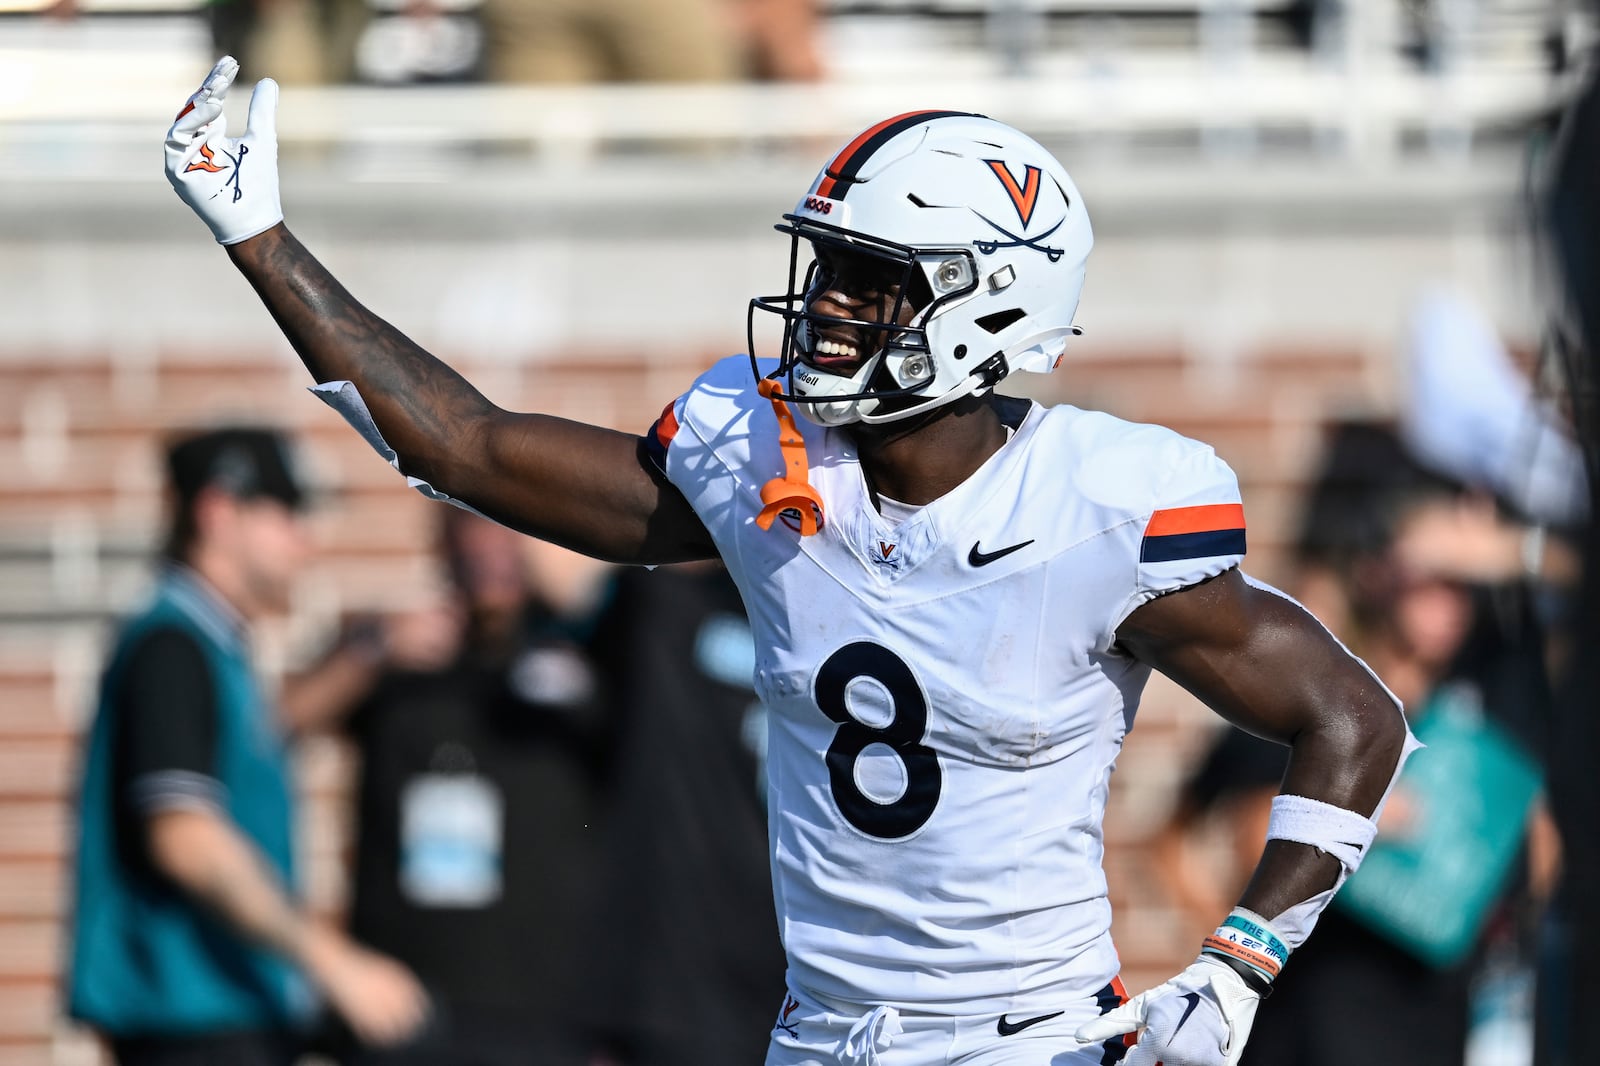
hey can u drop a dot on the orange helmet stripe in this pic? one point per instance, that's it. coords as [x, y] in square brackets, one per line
[841, 172]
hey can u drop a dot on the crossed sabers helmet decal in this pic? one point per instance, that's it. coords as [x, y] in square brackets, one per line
[1036, 243]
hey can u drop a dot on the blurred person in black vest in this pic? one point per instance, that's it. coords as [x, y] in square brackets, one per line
[190, 940]
[686, 953]
[482, 740]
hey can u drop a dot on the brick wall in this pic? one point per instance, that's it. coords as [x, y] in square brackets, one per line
[80, 507]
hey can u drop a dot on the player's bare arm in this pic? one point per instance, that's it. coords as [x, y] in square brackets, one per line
[581, 486]
[1266, 665]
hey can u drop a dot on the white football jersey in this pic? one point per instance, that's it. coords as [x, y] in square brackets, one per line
[946, 700]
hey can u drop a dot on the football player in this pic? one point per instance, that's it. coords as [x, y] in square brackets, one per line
[956, 596]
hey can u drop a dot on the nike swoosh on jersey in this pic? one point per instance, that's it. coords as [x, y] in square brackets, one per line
[978, 557]
[1006, 1028]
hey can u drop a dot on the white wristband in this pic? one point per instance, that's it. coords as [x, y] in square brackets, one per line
[1343, 834]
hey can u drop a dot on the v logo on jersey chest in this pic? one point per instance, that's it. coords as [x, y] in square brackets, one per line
[887, 554]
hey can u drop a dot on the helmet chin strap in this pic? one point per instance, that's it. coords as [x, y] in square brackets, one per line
[972, 384]
[978, 381]
[855, 383]
[791, 495]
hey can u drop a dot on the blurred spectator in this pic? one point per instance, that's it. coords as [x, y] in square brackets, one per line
[420, 41]
[296, 42]
[1472, 414]
[263, 35]
[689, 968]
[1398, 558]
[570, 42]
[779, 39]
[482, 744]
[1350, 515]
[1230, 793]
[187, 933]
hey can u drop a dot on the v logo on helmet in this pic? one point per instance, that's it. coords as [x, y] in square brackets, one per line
[1024, 196]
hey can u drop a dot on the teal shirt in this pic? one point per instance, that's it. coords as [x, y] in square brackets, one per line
[146, 958]
[1431, 886]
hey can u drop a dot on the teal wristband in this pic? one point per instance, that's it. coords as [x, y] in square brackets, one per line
[1247, 945]
[1258, 935]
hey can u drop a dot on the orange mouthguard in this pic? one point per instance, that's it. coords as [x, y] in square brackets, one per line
[792, 493]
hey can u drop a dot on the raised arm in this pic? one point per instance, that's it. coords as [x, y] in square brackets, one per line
[581, 486]
[1267, 666]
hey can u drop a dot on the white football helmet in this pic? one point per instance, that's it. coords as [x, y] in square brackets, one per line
[992, 237]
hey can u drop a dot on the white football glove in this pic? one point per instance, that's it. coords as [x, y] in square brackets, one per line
[231, 182]
[1201, 1017]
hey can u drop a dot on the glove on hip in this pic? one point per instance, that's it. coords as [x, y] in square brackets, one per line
[1201, 1017]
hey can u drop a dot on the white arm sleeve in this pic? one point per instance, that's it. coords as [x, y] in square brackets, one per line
[343, 397]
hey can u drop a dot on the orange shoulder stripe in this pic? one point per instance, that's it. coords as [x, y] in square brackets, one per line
[667, 425]
[1205, 518]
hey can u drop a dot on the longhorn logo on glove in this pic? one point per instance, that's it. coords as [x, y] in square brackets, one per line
[208, 163]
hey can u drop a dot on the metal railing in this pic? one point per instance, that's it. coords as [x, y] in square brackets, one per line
[109, 84]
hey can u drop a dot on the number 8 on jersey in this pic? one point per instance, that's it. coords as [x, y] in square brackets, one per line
[903, 733]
